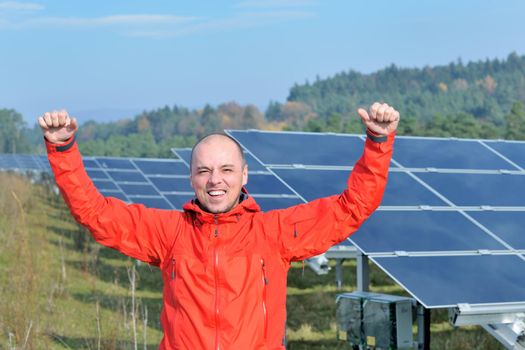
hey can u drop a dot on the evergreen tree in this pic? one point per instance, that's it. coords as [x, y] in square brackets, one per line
[515, 123]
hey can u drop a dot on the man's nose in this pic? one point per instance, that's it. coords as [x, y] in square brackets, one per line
[214, 178]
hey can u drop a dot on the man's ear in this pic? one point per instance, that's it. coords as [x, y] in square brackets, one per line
[245, 175]
[191, 181]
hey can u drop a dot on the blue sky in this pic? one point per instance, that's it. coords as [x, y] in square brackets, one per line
[109, 59]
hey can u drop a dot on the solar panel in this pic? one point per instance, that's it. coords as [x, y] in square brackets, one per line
[172, 184]
[161, 167]
[266, 184]
[27, 162]
[313, 184]
[512, 150]
[97, 174]
[421, 231]
[445, 281]
[7, 161]
[90, 163]
[178, 200]
[44, 163]
[478, 189]
[509, 225]
[184, 154]
[116, 194]
[126, 176]
[21, 162]
[282, 148]
[105, 185]
[152, 202]
[115, 163]
[138, 190]
[141, 180]
[447, 154]
[401, 190]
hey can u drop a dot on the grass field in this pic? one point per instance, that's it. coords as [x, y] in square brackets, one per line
[60, 290]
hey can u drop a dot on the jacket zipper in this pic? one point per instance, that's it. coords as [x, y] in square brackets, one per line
[173, 275]
[216, 271]
[265, 311]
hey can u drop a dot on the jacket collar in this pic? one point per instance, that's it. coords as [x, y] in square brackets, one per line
[246, 204]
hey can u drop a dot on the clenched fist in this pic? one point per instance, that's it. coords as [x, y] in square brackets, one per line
[381, 119]
[57, 126]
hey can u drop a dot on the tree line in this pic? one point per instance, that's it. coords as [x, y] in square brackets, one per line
[481, 99]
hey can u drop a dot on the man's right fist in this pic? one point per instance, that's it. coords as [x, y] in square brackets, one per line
[57, 126]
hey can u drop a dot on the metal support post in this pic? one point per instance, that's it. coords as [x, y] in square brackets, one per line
[423, 327]
[363, 278]
[339, 273]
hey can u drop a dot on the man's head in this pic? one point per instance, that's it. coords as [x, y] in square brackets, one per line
[218, 172]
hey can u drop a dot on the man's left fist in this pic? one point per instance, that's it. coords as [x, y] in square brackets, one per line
[381, 118]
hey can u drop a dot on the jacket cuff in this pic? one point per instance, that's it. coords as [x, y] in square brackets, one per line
[372, 136]
[60, 147]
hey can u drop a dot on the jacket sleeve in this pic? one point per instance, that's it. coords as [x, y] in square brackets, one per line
[134, 230]
[309, 229]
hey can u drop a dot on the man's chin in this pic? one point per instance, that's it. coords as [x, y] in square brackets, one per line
[218, 209]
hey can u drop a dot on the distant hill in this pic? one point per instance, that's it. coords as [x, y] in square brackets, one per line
[485, 89]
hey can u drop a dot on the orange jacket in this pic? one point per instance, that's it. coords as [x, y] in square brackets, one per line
[224, 275]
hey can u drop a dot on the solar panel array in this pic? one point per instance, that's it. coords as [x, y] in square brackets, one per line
[24, 162]
[451, 226]
[159, 183]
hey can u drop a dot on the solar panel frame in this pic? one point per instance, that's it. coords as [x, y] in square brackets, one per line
[432, 287]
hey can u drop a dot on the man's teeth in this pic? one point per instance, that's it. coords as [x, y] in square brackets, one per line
[216, 193]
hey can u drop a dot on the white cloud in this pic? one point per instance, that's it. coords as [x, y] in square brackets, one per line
[137, 20]
[20, 6]
[170, 26]
[243, 20]
[265, 4]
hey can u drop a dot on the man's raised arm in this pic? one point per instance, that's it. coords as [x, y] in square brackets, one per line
[309, 229]
[142, 233]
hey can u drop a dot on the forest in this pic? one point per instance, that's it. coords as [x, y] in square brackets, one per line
[482, 99]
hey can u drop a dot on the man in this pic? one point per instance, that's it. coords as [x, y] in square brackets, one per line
[224, 262]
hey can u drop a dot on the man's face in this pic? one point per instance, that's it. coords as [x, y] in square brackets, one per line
[217, 174]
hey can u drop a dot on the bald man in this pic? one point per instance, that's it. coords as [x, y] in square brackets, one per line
[224, 263]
